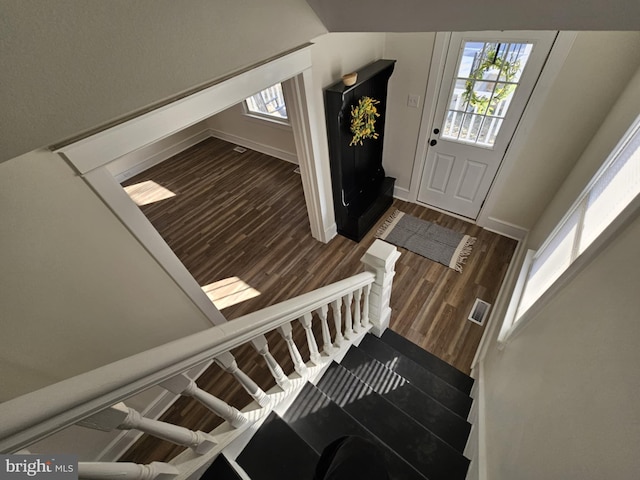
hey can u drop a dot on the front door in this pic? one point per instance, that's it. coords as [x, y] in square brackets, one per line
[486, 84]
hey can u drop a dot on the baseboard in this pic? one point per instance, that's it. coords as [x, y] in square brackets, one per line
[331, 232]
[505, 229]
[475, 450]
[151, 158]
[401, 193]
[258, 147]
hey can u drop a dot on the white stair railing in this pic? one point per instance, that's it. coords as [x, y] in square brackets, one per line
[95, 399]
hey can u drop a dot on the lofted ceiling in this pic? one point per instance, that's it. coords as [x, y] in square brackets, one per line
[473, 15]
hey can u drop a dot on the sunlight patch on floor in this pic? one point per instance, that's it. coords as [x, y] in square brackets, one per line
[147, 192]
[228, 292]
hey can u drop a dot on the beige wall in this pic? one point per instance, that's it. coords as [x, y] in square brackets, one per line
[413, 54]
[71, 65]
[561, 398]
[235, 126]
[77, 290]
[597, 69]
[621, 116]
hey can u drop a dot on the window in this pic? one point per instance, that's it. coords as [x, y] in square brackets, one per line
[612, 189]
[269, 103]
[485, 83]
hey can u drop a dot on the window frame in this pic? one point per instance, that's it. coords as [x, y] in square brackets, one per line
[265, 117]
[514, 323]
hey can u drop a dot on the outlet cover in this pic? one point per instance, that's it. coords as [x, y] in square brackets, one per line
[413, 100]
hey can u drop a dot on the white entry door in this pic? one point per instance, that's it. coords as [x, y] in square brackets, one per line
[486, 84]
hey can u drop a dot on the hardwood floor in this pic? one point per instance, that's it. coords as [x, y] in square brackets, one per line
[243, 215]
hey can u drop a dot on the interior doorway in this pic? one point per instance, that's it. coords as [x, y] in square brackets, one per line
[90, 156]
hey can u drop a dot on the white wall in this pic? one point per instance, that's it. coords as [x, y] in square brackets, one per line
[77, 290]
[561, 398]
[71, 65]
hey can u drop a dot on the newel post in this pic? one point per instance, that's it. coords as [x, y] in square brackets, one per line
[380, 259]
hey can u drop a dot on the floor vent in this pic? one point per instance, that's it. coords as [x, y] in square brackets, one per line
[479, 311]
[239, 149]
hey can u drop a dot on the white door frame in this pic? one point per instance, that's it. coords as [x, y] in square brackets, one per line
[90, 156]
[550, 71]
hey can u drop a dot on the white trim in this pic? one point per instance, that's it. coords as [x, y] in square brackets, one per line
[434, 83]
[103, 183]
[401, 193]
[257, 146]
[152, 159]
[104, 147]
[557, 56]
[510, 315]
[266, 120]
[505, 229]
[477, 442]
[597, 246]
[496, 317]
[314, 169]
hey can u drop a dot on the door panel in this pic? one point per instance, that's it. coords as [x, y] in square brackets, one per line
[486, 83]
[441, 173]
[470, 180]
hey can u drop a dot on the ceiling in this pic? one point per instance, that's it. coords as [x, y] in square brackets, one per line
[473, 15]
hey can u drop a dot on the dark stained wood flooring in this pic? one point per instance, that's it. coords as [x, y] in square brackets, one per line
[243, 215]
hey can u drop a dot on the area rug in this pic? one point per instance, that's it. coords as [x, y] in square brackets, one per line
[427, 239]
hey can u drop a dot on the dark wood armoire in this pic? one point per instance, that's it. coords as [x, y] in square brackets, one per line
[361, 190]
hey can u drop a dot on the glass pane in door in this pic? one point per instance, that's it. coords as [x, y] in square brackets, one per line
[487, 78]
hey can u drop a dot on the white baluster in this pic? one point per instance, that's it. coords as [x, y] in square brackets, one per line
[298, 364]
[228, 363]
[124, 418]
[348, 319]
[326, 335]
[365, 306]
[336, 307]
[380, 259]
[126, 471]
[183, 385]
[262, 347]
[357, 313]
[314, 354]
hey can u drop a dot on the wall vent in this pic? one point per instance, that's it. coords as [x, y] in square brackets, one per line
[479, 311]
[239, 149]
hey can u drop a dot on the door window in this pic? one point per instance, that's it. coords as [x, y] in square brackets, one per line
[488, 74]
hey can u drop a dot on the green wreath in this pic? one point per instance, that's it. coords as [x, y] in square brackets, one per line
[363, 120]
[508, 70]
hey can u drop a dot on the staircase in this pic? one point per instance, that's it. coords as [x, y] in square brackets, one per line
[410, 403]
[356, 378]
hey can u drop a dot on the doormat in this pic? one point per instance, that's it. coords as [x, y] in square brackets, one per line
[427, 239]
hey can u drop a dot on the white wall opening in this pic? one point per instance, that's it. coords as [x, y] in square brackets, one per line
[91, 156]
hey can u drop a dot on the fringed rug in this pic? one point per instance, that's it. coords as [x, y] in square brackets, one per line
[432, 241]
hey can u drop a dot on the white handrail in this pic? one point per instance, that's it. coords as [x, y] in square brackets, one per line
[37, 414]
